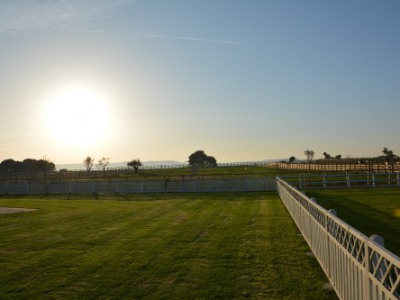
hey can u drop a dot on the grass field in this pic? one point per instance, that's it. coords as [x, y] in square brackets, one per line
[245, 170]
[371, 211]
[182, 246]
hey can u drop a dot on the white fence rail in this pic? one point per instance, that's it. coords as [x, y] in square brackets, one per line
[342, 180]
[236, 184]
[356, 267]
[343, 166]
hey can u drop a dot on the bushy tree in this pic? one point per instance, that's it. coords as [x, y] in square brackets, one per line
[10, 165]
[292, 159]
[388, 155]
[211, 161]
[29, 164]
[200, 159]
[45, 164]
[327, 156]
[135, 164]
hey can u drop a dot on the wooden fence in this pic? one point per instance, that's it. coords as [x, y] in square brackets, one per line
[326, 167]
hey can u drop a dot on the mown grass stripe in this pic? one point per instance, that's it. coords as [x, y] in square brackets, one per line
[233, 245]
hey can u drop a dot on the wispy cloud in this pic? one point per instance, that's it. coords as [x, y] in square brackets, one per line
[149, 35]
[28, 15]
[193, 39]
[32, 15]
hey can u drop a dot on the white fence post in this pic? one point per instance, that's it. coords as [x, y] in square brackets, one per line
[373, 180]
[367, 286]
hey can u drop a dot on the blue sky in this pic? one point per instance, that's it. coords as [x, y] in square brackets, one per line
[241, 80]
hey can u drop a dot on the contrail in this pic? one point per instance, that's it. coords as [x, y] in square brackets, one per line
[149, 35]
[34, 15]
[194, 39]
[207, 40]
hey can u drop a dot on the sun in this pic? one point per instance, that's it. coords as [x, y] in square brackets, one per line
[77, 116]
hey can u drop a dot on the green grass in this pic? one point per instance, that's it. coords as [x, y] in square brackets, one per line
[371, 211]
[170, 172]
[209, 171]
[191, 246]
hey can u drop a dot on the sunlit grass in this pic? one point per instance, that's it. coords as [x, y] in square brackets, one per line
[169, 246]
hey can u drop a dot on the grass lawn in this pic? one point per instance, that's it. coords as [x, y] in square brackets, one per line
[170, 246]
[371, 211]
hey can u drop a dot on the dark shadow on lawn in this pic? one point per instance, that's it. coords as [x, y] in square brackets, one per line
[365, 219]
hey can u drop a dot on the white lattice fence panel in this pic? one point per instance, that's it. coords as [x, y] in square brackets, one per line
[357, 267]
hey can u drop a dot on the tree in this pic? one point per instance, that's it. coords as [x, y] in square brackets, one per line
[88, 163]
[103, 163]
[338, 156]
[46, 165]
[135, 164]
[10, 165]
[200, 159]
[292, 159]
[389, 156]
[29, 164]
[309, 155]
[211, 161]
[327, 156]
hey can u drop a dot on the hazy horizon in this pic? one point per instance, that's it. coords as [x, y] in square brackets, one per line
[241, 80]
[80, 166]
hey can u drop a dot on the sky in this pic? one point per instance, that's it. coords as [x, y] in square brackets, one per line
[159, 79]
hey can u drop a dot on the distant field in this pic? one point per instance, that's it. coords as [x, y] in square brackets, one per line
[371, 211]
[220, 171]
[145, 174]
[191, 246]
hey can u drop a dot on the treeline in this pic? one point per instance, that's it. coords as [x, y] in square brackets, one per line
[29, 164]
[388, 157]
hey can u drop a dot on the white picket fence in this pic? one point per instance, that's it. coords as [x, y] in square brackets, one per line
[356, 266]
[220, 184]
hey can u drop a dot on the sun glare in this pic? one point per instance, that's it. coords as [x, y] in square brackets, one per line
[77, 116]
